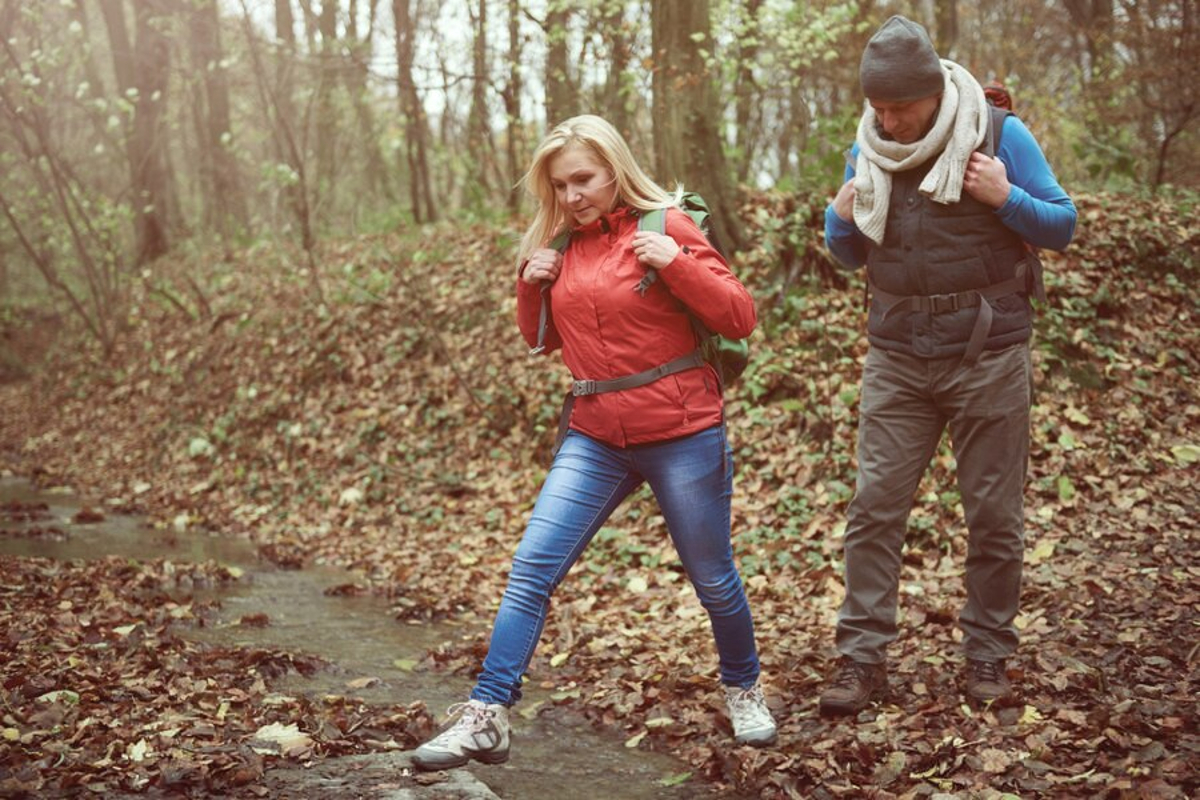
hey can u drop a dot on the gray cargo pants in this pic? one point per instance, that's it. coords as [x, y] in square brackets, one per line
[906, 404]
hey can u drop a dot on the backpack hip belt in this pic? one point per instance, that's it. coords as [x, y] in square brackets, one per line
[583, 388]
[1028, 280]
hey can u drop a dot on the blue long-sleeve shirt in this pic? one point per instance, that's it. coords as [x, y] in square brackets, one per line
[1037, 208]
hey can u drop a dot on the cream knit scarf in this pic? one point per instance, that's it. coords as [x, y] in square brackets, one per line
[958, 130]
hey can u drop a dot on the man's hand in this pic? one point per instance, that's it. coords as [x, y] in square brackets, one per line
[843, 204]
[543, 265]
[986, 180]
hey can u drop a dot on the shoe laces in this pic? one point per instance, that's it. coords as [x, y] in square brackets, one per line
[746, 704]
[991, 671]
[850, 674]
[473, 717]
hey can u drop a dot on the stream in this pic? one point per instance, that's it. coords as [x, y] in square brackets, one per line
[360, 637]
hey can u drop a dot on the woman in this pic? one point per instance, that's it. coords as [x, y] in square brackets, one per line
[668, 431]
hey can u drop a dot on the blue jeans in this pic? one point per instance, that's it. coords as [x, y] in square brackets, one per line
[692, 479]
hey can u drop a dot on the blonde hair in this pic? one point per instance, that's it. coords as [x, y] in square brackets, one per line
[634, 187]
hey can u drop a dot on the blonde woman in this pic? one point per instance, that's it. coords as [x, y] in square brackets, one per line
[647, 409]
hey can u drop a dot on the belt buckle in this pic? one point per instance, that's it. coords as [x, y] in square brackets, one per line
[944, 302]
[581, 388]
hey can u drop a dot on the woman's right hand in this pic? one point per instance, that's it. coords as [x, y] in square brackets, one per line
[543, 266]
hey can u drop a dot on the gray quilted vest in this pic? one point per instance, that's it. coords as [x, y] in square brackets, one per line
[948, 280]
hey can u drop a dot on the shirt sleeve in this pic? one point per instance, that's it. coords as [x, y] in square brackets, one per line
[1037, 208]
[844, 240]
[700, 278]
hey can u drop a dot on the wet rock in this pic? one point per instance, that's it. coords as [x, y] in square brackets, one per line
[387, 776]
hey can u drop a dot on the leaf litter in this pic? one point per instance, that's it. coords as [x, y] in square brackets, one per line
[401, 433]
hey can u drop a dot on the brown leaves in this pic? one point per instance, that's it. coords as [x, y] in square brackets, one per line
[87, 516]
[405, 437]
[100, 691]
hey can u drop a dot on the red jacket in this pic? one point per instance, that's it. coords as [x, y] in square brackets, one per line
[607, 330]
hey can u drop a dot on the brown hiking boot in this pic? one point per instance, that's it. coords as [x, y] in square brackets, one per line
[986, 681]
[853, 687]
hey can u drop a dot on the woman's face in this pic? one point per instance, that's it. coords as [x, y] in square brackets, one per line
[584, 186]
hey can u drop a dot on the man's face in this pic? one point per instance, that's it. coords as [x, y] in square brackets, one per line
[907, 122]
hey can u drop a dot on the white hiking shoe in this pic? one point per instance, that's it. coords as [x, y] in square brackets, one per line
[481, 733]
[752, 720]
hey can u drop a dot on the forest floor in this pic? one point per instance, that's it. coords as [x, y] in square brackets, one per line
[399, 431]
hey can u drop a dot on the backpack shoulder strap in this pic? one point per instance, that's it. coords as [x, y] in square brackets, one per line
[996, 117]
[559, 243]
[653, 220]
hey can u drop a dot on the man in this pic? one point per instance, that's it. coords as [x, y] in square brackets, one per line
[942, 228]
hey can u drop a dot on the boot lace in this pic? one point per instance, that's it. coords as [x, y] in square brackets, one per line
[850, 674]
[989, 671]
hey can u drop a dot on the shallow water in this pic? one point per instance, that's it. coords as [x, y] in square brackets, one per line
[554, 754]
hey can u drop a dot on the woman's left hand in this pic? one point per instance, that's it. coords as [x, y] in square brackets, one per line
[655, 250]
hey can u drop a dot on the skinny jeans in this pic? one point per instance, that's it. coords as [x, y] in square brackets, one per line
[906, 403]
[692, 479]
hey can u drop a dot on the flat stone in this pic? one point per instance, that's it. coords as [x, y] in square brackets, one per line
[385, 776]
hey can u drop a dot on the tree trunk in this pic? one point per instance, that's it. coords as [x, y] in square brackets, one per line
[562, 99]
[416, 129]
[512, 108]
[285, 34]
[616, 104]
[144, 67]
[1094, 19]
[311, 24]
[327, 127]
[357, 73]
[687, 140]
[276, 103]
[946, 14]
[478, 122]
[747, 92]
[225, 204]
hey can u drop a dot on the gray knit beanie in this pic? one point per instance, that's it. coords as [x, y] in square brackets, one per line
[900, 64]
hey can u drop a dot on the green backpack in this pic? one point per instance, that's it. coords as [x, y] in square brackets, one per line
[728, 357]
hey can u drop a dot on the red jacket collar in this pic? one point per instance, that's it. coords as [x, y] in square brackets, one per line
[610, 221]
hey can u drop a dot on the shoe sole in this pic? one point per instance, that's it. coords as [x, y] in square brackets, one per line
[759, 742]
[976, 702]
[836, 709]
[483, 758]
[492, 758]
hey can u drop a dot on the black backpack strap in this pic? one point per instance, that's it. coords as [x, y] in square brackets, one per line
[543, 321]
[558, 243]
[583, 388]
[996, 117]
